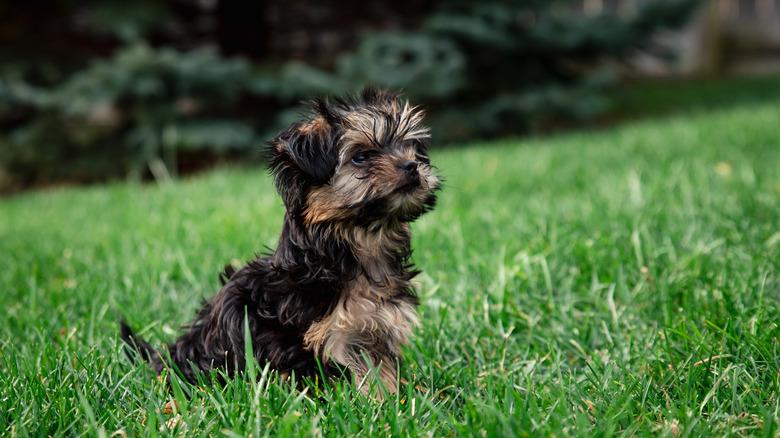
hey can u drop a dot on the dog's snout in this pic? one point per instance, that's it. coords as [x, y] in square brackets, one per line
[410, 167]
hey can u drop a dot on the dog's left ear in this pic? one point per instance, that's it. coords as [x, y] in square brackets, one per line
[303, 156]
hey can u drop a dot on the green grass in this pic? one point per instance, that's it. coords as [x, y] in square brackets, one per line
[624, 282]
[643, 98]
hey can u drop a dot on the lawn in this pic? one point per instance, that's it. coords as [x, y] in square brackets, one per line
[624, 282]
[647, 97]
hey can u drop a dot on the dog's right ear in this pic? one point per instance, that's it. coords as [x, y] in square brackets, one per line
[305, 155]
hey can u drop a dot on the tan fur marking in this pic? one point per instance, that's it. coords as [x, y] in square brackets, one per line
[362, 318]
[373, 248]
[365, 124]
[315, 126]
[349, 186]
[330, 202]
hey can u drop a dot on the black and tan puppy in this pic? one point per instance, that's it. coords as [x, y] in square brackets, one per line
[338, 289]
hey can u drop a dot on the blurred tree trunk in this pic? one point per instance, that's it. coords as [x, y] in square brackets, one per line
[711, 62]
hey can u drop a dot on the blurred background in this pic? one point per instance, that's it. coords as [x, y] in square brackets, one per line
[96, 90]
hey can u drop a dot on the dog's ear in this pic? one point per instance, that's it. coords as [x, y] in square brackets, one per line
[305, 155]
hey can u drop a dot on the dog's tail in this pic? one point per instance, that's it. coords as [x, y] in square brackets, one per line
[135, 345]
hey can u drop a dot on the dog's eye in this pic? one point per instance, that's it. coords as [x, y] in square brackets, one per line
[361, 158]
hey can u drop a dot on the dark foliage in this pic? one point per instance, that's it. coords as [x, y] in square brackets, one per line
[148, 88]
[502, 67]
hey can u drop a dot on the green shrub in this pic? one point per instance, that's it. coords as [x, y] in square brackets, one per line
[499, 67]
[129, 111]
[481, 69]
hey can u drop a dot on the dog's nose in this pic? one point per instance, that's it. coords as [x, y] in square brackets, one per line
[410, 167]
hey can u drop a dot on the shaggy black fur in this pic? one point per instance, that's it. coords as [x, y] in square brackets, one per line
[308, 274]
[280, 305]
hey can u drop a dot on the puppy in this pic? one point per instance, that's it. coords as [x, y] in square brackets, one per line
[336, 297]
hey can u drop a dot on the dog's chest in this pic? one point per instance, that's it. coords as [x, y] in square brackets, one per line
[368, 317]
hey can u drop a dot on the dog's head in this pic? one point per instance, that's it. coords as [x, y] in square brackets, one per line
[360, 161]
